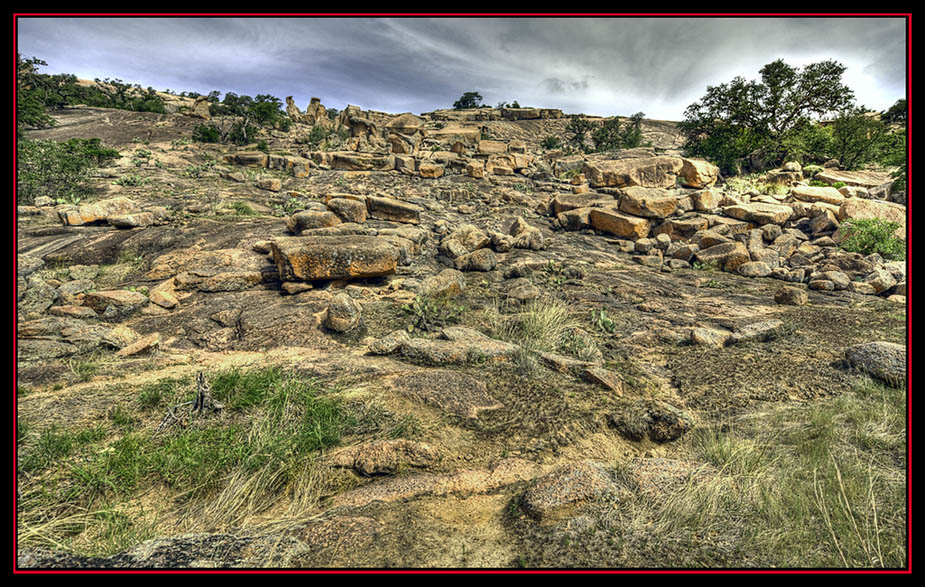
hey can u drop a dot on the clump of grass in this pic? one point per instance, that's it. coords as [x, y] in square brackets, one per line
[796, 486]
[432, 313]
[242, 209]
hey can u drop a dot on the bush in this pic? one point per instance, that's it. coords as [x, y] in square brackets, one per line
[206, 133]
[874, 236]
[552, 142]
[57, 170]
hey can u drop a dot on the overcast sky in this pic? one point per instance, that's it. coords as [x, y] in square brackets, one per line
[601, 66]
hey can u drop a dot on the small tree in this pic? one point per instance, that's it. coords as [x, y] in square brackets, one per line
[468, 100]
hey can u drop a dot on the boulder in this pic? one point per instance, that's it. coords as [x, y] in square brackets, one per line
[884, 360]
[807, 193]
[648, 202]
[856, 209]
[618, 223]
[343, 314]
[311, 258]
[697, 173]
[394, 210]
[654, 172]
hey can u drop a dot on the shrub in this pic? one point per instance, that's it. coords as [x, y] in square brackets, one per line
[552, 142]
[206, 133]
[57, 170]
[874, 236]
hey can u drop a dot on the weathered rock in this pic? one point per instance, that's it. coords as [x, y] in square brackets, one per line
[697, 173]
[386, 457]
[884, 360]
[392, 209]
[448, 283]
[727, 256]
[618, 223]
[760, 213]
[604, 378]
[817, 194]
[706, 200]
[648, 202]
[115, 304]
[348, 210]
[881, 280]
[144, 345]
[754, 269]
[709, 336]
[452, 392]
[312, 258]
[389, 343]
[455, 346]
[866, 179]
[654, 172]
[791, 296]
[480, 260]
[562, 492]
[310, 220]
[97, 211]
[757, 332]
[656, 420]
[853, 208]
[344, 314]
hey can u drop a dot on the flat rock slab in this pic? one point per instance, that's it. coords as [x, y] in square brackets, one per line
[452, 392]
[457, 346]
[470, 481]
[311, 258]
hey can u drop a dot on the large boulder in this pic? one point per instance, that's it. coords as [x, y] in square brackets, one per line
[311, 258]
[648, 202]
[651, 172]
[618, 223]
[760, 213]
[807, 193]
[697, 173]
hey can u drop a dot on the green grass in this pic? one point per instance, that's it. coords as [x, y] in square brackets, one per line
[80, 486]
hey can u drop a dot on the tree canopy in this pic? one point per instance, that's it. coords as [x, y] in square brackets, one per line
[735, 118]
[468, 100]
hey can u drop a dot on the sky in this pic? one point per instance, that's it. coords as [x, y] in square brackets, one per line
[602, 65]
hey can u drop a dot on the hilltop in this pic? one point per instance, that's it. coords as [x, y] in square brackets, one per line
[438, 340]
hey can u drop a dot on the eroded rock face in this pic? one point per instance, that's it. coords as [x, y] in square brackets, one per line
[312, 258]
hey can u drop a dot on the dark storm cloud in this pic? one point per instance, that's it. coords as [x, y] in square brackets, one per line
[594, 65]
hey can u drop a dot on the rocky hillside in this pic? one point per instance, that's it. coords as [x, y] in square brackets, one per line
[512, 356]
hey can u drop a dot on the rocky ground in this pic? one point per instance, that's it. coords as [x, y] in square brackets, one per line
[539, 334]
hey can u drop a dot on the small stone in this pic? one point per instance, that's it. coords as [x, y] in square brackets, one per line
[344, 314]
